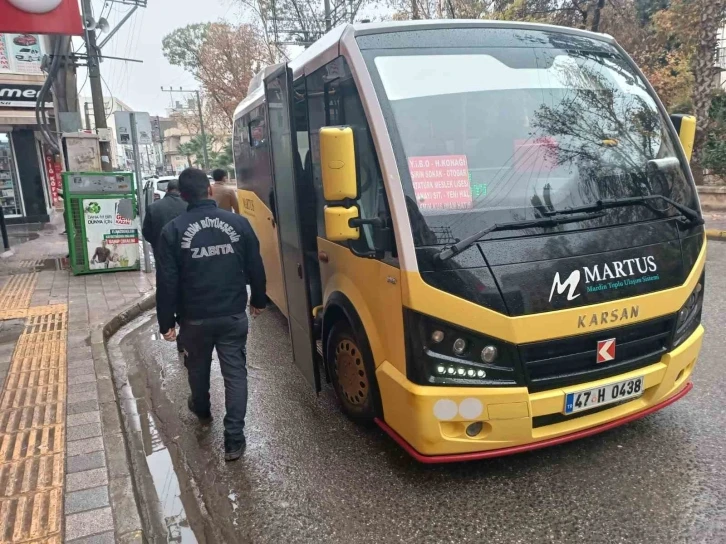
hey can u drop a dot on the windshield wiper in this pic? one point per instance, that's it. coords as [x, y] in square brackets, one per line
[544, 222]
[600, 205]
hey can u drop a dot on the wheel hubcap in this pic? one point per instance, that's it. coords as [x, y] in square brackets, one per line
[351, 372]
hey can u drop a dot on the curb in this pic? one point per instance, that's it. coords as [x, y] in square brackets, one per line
[126, 501]
[715, 234]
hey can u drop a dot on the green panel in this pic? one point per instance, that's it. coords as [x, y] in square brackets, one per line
[75, 216]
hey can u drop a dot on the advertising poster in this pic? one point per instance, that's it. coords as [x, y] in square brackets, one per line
[441, 182]
[112, 240]
[23, 52]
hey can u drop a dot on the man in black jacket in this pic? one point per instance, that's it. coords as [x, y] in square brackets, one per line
[161, 212]
[157, 216]
[206, 258]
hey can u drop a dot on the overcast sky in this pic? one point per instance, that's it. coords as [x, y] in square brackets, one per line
[139, 85]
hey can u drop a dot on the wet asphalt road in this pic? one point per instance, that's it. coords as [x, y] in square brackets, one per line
[310, 475]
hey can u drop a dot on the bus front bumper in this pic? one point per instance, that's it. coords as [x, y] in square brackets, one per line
[508, 415]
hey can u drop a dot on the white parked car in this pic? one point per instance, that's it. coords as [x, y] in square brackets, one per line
[158, 185]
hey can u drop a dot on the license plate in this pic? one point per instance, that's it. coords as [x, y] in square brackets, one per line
[599, 396]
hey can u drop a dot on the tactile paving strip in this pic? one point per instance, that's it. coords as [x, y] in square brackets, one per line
[32, 424]
[17, 292]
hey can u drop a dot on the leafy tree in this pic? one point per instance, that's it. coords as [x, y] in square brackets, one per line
[223, 58]
[193, 150]
[714, 152]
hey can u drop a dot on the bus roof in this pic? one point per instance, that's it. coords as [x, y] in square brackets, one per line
[332, 40]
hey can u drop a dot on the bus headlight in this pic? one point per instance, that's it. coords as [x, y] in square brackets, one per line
[689, 316]
[440, 353]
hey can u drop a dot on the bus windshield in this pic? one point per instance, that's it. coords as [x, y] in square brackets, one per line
[497, 135]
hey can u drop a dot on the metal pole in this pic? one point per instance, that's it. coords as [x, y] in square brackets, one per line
[204, 134]
[4, 229]
[139, 189]
[94, 78]
[88, 116]
[328, 22]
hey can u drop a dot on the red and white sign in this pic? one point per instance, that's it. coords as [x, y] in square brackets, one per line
[54, 177]
[605, 350]
[441, 182]
[41, 17]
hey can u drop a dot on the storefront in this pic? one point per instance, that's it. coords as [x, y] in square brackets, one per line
[28, 171]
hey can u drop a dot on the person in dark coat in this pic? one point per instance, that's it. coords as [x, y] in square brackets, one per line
[206, 259]
[157, 216]
[161, 212]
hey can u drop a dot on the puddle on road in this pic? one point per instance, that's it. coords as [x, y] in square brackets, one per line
[166, 483]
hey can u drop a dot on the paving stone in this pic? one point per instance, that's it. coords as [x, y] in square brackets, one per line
[87, 461]
[103, 538]
[110, 418]
[80, 387]
[84, 418]
[87, 499]
[88, 523]
[86, 480]
[124, 505]
[79, 363]
[116, 455]
[83, 378]
[83, 370]
[83, 431]
[87, 445]
[4, 366]
[82, 407]
[81, 396]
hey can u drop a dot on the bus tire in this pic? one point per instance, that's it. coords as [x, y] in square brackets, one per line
[351, 370]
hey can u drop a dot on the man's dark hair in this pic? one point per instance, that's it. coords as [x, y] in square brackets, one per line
[172, 186]
[194, 185]
[219, 174]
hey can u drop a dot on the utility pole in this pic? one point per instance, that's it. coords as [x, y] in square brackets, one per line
[201, 121]
[141, 203]
[328, 21]
[94, 78]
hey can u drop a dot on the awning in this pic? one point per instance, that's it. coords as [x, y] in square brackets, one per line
[17, 117]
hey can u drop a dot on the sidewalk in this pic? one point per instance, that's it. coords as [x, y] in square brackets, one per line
[715, 225]
[64, 473]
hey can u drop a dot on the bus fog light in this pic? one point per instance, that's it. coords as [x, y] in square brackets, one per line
[451, 370]
[474, 429]
[441, 369]
[489, 354]
[481, 374]
[470, 373]
[437, 337]
[459, 346]
[461, 371]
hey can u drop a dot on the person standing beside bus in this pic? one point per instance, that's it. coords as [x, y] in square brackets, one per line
[223, 195]
[206, 258]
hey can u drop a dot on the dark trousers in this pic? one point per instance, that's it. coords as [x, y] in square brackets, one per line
[229, 336]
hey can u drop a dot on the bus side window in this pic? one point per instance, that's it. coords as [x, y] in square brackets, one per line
[334, 100]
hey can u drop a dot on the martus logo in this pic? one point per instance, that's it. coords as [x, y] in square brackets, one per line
[609, 272]
[36, 6]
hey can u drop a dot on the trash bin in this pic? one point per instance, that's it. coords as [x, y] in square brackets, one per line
[103, 222]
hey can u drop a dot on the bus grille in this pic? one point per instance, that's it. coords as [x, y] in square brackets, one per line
[573, 360]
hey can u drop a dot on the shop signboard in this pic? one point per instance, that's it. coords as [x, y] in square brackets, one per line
[54, 178]
[18, 95]
[112, 240]
[41, 16]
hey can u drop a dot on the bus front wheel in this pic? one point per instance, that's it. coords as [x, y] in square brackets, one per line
[352, 374]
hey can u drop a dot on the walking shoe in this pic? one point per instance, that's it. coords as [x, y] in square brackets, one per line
[234, 451]
[203, 418]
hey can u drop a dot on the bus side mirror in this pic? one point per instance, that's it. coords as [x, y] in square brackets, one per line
[337, 223]
[686, 129]
[337, 161]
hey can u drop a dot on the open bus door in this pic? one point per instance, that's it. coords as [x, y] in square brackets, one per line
[283, 143]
